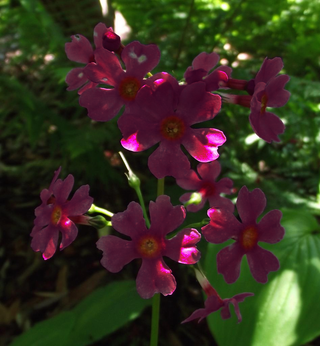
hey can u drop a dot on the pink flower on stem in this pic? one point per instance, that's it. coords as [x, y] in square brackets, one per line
[224, 225]
[56, 213]
[207, 186]
[166, 116]
[80, 50]
[104, 104]
[150, 245]
[199, 71]
[215, 303]
[268, 92]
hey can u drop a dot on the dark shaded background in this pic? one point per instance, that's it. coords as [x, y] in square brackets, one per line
[42, 127]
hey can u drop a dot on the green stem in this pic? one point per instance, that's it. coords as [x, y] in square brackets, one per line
[95, 209]
[134, 182]
[141, 200]
[156, 297]
[155, 319]
[160, 187]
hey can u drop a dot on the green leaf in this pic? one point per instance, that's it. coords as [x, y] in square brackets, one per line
[105, 311]
[51, 332]
[101, 313]
[285, 310]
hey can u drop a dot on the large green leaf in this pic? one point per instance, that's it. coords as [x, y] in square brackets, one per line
[101, 313]
[105, 311]
[52, 332]
[285, 310]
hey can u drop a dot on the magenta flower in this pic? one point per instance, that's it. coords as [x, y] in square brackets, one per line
[80, 50]
[224, 225]
[104, 104]
[268, 92]
[56, 214]
[207, 186]
[201, 65]
[166, 116]
[150, 245]
[215, 303]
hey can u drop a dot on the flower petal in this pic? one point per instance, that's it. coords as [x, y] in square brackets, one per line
[277, 96]
[269, 69]
[80, 202]
[250, 205]
[182, 247]
[209, 171]
[139, 132]
[165, 217]
[43, 215]
[206, 61]
[102, 104]
[229, 262]
[168, 160]
[212, 304]
[62, 191]
[267, 125]
[218, 202]
[69, 232]
[116, 252]
[261, 262]
[98, 33]
[76, 78]
[107, 68]
[155, 277]
[130, 222]
[197, 105]
[190, 181]
[140, 58]
[203, 144]
[270, 229]
[223, 226]
[79, 50]
[45, 240]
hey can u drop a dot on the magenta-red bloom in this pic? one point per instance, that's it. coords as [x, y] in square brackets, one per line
[224, 225]
[214, 302]
[268, 92]
[207, 186]
[150, 245]
[80, 50]
[199, 71]
[56, 213]
[103, 104]
[166, 116]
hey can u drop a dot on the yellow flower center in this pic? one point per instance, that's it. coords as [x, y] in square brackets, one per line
[149, 247]
[129, 87]
[56, 215]
[172, 128]
[249, 238]
[264, 100]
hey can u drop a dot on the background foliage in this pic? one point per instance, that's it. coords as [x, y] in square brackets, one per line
[42, 127]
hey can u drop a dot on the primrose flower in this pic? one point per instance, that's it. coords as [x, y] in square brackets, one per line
[224, 225]
[201, 65]
[215, 303]
[104, 104]
[56, 213]
[150, 245]
[207, 186]
[80, 50]
[268, 92]
[166, 116]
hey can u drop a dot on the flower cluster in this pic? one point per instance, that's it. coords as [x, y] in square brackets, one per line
[57, 213]
[160, 110]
